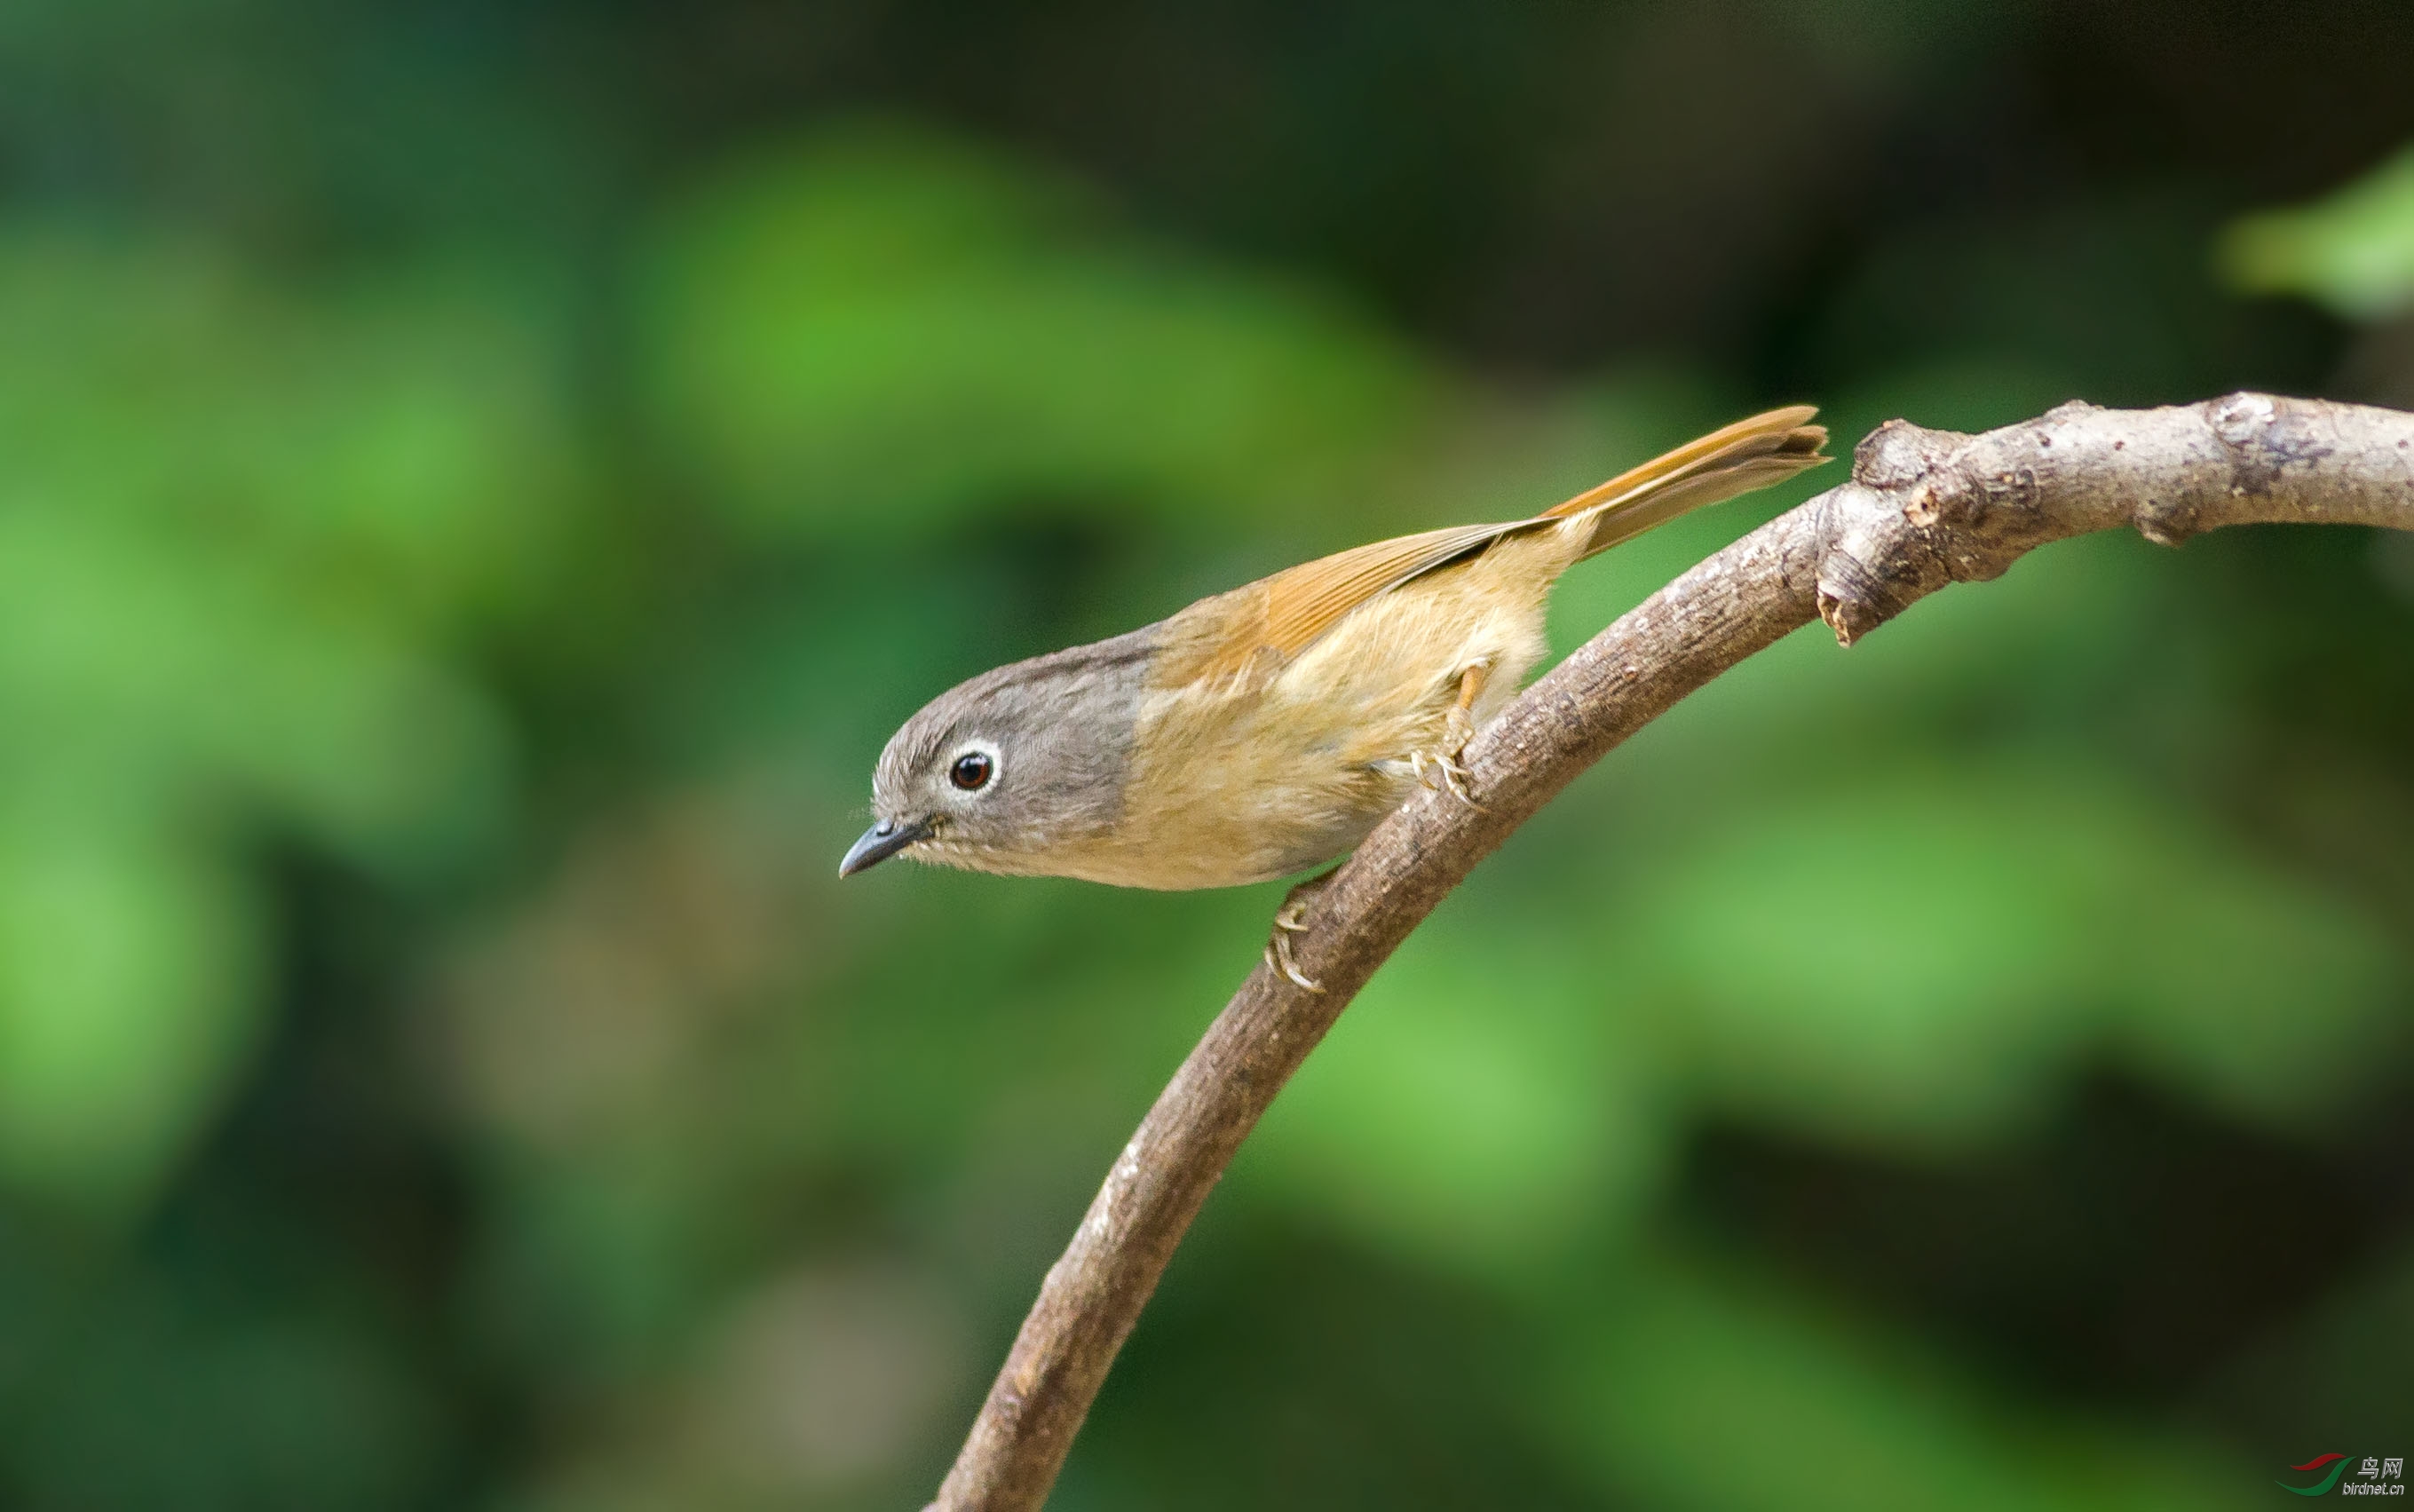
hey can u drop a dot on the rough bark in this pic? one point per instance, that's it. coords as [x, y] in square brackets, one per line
[1922, 508]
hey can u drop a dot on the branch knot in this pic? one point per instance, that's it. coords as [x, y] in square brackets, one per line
[1899, 453]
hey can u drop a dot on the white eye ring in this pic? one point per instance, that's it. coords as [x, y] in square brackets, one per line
[973, 769]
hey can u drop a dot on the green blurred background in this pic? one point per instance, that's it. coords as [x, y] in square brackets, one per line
[479, 482]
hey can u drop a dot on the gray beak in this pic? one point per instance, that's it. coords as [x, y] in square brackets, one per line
[879, 842]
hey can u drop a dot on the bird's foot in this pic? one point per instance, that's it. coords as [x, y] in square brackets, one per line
[1291, 919]
[1453, 777]
[1457, 729]
[1278, 950]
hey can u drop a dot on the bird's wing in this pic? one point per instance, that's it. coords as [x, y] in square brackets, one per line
[1269, 621]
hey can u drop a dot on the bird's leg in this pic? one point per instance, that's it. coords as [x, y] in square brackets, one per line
[1291, 919]
[1458, 727]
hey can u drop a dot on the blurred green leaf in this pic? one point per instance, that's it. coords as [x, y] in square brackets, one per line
[129, 987]
[884, 328]
[238, 529]
[2352, 252]
[1916, 959]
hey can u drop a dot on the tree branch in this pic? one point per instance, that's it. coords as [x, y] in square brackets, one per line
[1922, 509]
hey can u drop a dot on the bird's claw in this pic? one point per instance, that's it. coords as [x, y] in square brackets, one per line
[1291, 921]
[1453, 774]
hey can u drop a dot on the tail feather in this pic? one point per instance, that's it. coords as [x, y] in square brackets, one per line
[1749, 453]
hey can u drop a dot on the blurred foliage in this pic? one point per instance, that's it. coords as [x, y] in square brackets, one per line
[2354, 251]
[240, 532]
[479, 484]
[825, 314]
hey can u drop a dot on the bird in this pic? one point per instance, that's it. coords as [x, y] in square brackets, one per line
[1266, 731]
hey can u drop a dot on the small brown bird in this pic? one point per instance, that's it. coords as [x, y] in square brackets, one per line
[1262, 732]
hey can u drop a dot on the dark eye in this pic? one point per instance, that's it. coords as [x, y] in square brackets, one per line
[972, 770]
